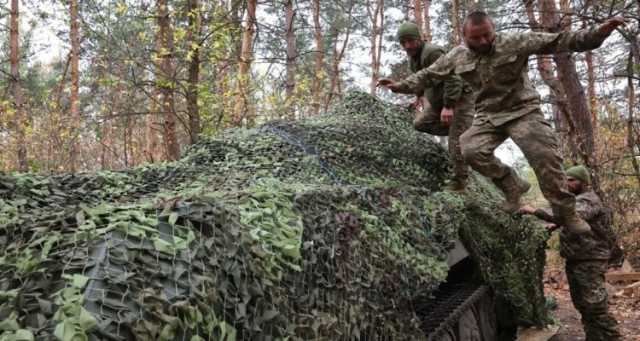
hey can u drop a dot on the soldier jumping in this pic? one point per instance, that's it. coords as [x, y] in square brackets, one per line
[508, 106]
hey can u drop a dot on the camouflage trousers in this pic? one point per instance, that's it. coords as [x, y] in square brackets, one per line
[537, 140]
[428, 121]
[589, 296]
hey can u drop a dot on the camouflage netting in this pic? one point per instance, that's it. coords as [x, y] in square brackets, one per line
[322, 229]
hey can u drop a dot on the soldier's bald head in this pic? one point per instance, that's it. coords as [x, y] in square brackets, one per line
[477, 18]
[479, 32]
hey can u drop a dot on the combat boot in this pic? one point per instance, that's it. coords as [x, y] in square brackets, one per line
[574, 224]
[513, 187]
[457, 185]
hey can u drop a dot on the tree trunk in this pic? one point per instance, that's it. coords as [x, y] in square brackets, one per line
[591, 88]
[591, 78]
[151, 124]
[166, 80]
[455, 22]
[291, 60]
[558, 97]
[418, 15]
[195, 27]
[16, 88]
[376, 16]
[318, 73]
[335, 89]
[427, 20]
[631, 139]
[242, 111]
[580, 118]
[75, 86]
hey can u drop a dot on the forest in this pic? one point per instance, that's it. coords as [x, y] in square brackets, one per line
[110, 85]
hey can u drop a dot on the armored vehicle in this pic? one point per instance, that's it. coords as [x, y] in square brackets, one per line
[334, 227]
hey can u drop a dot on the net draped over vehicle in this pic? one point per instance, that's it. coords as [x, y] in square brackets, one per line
[326, 228]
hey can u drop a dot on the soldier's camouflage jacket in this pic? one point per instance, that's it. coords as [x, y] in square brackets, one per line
[595, 245]
[439, 93]
[500, 79]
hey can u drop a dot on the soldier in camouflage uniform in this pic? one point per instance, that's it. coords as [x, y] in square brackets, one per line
[448, 109]
[508, 106]
[587, 257]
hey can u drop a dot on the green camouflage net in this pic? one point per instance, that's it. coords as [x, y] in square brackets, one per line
[324, 229]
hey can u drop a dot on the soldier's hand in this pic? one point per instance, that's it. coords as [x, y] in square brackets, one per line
[417, 104]
[551, 227]
[611, 24]
[526, 209]
[388, 83]
[446, 116]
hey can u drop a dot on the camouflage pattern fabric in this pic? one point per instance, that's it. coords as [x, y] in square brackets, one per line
[507, 104]
[589, 296]
[595, 245]
[442, 93]
[451, 92]
[587, 261]
[327, 228]
[501, 80]
[428, 120]
[535, 137]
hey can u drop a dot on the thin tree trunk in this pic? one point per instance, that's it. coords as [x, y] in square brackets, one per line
[455, 22]
[195, 27]
[318, 72]
[291, 60]
[427, 20]
[16, 88]
[558, 97]
[242, 111]
[580, 117]
[377, 24]
[631, 139]
[75, 86]
[591, 77]
[165, 81]
[591, 88]
[151, 121]
[418, 15]
[335, 89]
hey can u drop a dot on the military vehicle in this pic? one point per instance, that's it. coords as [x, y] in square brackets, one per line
[334, 227]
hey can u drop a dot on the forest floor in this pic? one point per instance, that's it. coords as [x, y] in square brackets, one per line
[624, 305]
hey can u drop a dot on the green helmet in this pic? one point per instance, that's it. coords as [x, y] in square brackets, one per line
[579, 173]
[408, 30]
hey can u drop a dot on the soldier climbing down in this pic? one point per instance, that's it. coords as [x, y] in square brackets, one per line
[448, 109]
[507, 105]
[587, 257]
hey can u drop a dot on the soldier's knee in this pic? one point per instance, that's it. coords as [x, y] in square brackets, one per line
[470, 154]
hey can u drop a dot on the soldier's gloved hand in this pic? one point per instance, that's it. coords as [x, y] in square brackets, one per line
[446, 116]
[388, 83]
[611, 24]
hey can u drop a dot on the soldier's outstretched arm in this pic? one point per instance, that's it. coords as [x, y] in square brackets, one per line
[441, 69]
[577, 41]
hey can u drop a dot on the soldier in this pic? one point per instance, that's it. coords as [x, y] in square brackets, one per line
[507, 105]
[587, 257]
[448, 109]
